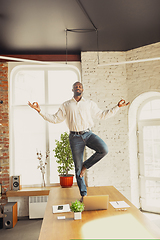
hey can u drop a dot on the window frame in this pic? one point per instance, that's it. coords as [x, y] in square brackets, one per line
[142, 178]
[51, 66]
[142, 105]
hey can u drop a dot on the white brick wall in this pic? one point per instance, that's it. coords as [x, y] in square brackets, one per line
[106, 86]
[145, 76]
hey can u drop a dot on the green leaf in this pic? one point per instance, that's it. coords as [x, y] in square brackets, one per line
[63, 154]
[77, 206]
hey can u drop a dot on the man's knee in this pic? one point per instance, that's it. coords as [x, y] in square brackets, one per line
[105, 150]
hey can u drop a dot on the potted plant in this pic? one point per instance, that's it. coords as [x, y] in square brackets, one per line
[64, 159]
[77, 207]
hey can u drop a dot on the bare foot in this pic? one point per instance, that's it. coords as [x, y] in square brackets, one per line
[81, 199]
[83, 171]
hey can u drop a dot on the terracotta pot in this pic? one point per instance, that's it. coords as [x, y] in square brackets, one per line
[66, 181]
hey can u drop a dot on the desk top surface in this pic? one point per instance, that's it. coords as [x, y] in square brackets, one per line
[100, 224]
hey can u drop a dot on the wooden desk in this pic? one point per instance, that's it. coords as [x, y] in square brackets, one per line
[115, 224]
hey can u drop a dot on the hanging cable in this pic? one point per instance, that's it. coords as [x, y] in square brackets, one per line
[95, 28]
[85, 12]
[80, 30]
[83, 30]
[66, 46]
[97, 46]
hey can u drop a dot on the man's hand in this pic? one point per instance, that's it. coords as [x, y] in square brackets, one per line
[123, 103]
[35, 106]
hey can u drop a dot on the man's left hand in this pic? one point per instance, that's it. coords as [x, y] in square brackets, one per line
[122, 103]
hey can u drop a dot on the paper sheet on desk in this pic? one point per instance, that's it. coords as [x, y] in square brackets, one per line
[61, 208]
[119, 204]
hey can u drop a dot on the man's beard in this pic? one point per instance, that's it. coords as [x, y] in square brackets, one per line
[77, 93]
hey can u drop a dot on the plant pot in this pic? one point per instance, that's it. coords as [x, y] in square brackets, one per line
[77, 215]
[66, 181]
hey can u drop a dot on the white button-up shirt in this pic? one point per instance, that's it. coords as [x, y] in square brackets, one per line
[78, 115]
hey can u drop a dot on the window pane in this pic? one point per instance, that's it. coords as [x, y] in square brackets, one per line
[29, 136]
[151, 143]
[151, 110]
[152, 193]
[60, 85]
[28, 86]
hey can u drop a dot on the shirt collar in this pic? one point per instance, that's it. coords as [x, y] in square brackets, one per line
[82, 99]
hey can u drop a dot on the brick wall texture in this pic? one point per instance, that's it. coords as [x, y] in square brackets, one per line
[106, 86]
[4, 128]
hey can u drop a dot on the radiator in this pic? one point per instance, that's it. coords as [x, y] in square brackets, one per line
[37, 206]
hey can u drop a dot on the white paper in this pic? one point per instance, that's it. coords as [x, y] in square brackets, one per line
[119, 204]
[61, 217]
[66, 208]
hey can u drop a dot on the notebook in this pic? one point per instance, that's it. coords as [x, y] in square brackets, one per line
[97, 202]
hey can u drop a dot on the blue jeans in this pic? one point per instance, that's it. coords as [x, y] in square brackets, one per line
[78, 143]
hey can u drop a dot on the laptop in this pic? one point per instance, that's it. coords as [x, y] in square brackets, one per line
[97, 202]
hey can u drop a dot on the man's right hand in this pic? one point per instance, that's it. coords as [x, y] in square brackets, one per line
[35, 106]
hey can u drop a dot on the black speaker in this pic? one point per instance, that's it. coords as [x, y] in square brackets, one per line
[10, 215]
[0, 190]
[1, 222]
[1, 216]
[15, 183]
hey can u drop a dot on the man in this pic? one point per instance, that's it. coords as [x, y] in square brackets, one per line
[78, 114]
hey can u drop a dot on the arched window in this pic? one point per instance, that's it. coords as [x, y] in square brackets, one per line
[50, 86]
[150, 109]
[149, 154]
